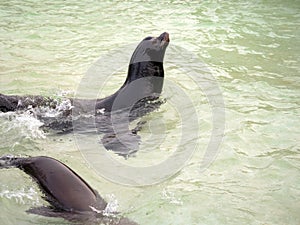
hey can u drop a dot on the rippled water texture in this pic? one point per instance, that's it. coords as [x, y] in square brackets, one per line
[251, 48]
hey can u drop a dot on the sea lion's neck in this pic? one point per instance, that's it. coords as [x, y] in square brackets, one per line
[151, 86]
[144, 69]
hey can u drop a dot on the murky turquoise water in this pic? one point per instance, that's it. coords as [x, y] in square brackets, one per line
[252, 49]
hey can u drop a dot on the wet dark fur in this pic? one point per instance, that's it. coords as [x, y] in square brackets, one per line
[69, 195]
[146, 62]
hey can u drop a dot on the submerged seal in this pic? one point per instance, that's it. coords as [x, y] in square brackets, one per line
[64, 189]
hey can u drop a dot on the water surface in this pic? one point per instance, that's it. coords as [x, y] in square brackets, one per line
[252, 50]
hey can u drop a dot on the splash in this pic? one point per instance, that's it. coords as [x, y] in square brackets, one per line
[112, 205]
[170, 196]
[28, 122]
[56, 109]
[23, 124]
[21, 196]
[111, 208]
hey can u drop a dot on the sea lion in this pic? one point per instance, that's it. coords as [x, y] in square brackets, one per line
[70, 196]
[139, 93]
[64, 189]
[146, 61]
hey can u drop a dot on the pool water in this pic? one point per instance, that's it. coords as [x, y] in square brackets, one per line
[251, 50]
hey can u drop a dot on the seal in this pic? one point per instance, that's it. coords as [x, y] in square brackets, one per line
[146, 61]
[139, 95]
[64, 189]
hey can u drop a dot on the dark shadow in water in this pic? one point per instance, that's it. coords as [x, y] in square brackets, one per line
[87, 218]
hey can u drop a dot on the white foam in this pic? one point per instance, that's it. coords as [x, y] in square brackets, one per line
[24, 123]
[112, 205]
[21, 196]
[60, 108]
[170, 196]
[29, 126]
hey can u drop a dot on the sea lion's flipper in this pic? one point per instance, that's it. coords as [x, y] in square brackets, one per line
[124, 144]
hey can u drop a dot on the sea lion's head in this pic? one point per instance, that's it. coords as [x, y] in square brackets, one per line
[147, 59]
[151, 49]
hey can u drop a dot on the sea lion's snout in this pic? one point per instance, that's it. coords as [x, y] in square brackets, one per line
[164, 37]
[151, 49]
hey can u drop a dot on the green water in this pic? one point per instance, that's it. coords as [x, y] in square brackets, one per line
[252, 50]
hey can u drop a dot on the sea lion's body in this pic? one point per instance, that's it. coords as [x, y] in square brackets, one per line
[139, 94]
[146, 61]
[70, 196]
[62, 186]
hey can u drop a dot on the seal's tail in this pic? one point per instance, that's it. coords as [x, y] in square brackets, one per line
[8, 161]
